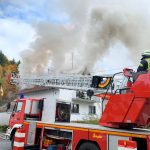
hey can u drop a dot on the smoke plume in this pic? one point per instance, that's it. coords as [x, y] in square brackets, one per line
[89, 34]
[107, 27]
[53, 43]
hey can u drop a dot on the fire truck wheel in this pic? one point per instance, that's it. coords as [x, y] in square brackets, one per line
[88, 146]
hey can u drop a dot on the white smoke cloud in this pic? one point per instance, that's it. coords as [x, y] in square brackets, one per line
[108, 27]
[89, 33]
[55, 41]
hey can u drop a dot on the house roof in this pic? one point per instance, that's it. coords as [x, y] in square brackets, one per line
[34, 89]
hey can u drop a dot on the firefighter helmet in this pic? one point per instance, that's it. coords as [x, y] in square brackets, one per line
[146, 53]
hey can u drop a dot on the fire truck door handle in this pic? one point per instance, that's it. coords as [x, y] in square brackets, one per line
[18, 119]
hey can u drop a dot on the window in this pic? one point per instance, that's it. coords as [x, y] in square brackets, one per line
[19, 106]
[92, 110]
[75, 108]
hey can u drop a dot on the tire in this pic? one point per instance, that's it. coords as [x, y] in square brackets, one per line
[88, 146]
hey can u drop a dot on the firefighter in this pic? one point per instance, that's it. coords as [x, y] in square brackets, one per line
[145, 62]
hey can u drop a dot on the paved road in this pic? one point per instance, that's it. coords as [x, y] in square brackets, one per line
[5, 145]
[4, 118]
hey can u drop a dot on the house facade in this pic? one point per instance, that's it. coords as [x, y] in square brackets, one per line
[82, 107]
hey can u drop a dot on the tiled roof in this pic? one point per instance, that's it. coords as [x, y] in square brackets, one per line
[34, 89]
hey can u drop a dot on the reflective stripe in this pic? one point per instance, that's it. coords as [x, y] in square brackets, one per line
[19, 144]
[19, 135]
[126, 148]
[141, 65]
[148, 62]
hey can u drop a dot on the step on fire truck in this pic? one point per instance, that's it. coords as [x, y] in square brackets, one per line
[121, 127]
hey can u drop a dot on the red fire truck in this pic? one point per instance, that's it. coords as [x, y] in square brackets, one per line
[121, 127]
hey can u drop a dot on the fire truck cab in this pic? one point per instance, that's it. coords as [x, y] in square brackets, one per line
[24, 109]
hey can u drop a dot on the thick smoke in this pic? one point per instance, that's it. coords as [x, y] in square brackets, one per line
[53, 43]
[89, 34]
[107, 27]
[56, 41]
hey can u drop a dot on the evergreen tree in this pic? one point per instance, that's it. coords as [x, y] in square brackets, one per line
[3, 59]
[13, 62]
[18, 63]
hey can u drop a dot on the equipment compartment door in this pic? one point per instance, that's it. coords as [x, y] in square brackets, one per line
[113, 141]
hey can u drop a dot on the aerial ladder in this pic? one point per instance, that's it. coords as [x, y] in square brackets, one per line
[65, 81]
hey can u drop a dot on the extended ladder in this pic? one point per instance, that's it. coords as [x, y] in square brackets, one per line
[74, 82]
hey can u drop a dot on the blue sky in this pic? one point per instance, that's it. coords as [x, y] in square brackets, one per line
[32, 10]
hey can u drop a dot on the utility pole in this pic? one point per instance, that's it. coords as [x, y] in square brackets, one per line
[72, 60]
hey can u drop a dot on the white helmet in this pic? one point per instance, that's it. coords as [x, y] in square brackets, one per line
[146, 53]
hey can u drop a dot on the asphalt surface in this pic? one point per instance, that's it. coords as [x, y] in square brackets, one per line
[4, 143]
[4, 118]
